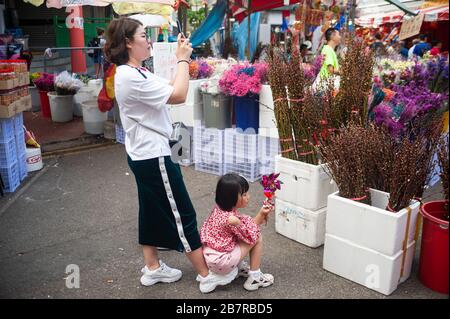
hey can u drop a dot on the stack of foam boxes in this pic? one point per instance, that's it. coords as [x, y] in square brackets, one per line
[13, 165]
[300, 210]
[368, 244]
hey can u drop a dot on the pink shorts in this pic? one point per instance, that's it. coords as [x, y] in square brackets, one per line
[222, 263]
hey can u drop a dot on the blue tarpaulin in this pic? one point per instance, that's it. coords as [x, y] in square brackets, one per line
[211, 24]
[240, 35]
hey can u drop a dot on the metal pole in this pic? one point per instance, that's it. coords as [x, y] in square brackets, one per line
[249, 30]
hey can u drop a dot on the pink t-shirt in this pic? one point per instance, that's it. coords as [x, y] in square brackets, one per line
[218, 234]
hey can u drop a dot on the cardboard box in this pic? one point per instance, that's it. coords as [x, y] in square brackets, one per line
[23, 104]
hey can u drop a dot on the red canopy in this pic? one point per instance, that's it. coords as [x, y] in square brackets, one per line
[240, 8]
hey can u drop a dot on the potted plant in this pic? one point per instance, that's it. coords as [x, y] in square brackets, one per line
[34, 92]
[371, 221]
[302, 117]
[61, 100]
[244, 81]
[433, 269]
[45, 83]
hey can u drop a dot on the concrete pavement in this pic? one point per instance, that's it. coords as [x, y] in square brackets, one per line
[82, 210]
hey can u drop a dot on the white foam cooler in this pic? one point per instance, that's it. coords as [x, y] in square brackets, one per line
[371, 226]
[366, 266]
[300, 224]
[304, 185]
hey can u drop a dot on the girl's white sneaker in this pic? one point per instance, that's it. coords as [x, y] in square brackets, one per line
[264, 280]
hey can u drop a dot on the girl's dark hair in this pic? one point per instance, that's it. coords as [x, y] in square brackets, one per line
[228, 189]
[117, 33]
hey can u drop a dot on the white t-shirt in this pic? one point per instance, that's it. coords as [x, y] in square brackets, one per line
[142, 98]
[411, 52]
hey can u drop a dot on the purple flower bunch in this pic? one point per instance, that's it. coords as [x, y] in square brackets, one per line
[312, 70]
[244, 79]
[422, 89]
[205, 70]
[410, 102]
[45, 82]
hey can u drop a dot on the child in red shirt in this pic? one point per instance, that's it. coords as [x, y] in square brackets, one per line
[228, 237]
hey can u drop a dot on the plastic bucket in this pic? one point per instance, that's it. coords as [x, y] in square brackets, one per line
[45, 104]
[84, 94]
[35, 99]
[34, 159]
[433, 268]
[61, 107]
[247, 113]
[96, 86]
[217, 111]
[93, 119]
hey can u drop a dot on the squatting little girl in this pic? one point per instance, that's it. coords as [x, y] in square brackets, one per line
[228, 237]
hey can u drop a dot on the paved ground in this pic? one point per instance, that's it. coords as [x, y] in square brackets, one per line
[82, 209]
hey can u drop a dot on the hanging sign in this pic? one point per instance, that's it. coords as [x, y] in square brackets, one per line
[411, 27]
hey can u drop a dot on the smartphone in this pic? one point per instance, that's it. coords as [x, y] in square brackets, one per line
[180, 28]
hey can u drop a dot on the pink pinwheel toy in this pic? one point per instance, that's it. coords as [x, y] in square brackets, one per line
[270, 184]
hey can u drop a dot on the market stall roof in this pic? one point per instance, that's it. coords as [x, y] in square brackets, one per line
[240, 8]
[375, 13]
[156, 7]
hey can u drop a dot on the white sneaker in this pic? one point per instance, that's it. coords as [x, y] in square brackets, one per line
[210, 282]
[163, 274]
[244, 268]
[264, 280]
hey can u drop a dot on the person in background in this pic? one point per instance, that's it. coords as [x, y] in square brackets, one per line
[303, 52]
[403, 49]
[378, 46]
[98, 54]
[330, 65]
[422, 47]
[436, 48]
[411, 49]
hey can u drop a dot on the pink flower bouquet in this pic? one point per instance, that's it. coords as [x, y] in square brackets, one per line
[244, 79]
[45, 82]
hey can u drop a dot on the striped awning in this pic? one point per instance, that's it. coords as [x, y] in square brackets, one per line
[438, 13]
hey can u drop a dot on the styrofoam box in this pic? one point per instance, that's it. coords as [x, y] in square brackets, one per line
[366, 266]
[194, 95]
[371, 226]
[300, 224]
[266, 98]
[304, 185]
[185, 113]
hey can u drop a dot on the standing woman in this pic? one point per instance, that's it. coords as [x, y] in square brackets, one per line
[166, 215]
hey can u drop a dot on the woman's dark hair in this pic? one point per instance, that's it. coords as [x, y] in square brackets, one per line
[329, 33]
[228, 189]
[117, 33]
